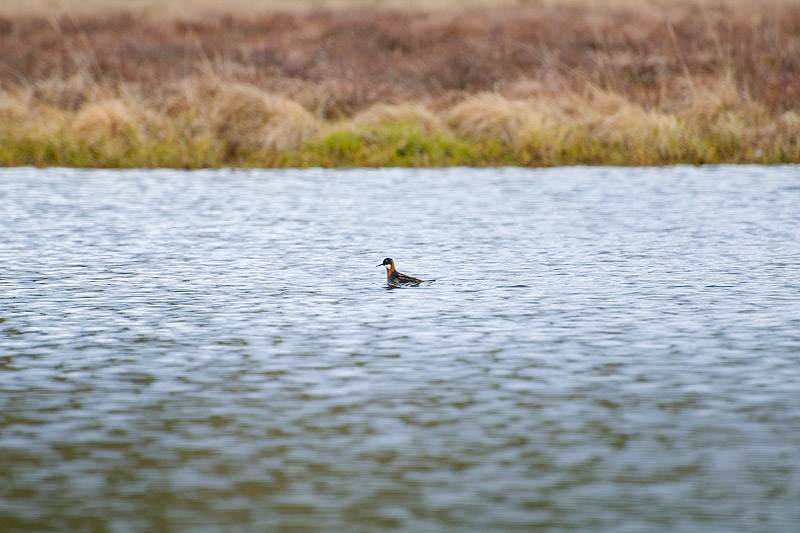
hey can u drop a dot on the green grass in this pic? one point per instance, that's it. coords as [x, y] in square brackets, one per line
[400, 145]
[390, 145]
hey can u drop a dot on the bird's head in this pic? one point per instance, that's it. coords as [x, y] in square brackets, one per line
[388, 263]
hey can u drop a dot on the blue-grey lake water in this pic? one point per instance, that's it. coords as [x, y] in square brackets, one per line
[604, 349]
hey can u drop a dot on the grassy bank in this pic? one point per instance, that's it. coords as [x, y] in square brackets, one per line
[532, 84]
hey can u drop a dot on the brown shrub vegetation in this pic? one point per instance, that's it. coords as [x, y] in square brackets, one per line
[337, 62]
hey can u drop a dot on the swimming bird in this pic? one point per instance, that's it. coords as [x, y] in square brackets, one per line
[396, 279]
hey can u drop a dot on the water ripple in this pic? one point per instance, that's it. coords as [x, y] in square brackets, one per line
[604, 349]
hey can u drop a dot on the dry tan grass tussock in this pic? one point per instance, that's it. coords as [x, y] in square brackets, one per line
[612, 118]
[408, 113]
[106, 118]
[336, 99]
[720, 108]
[783, 133]
[15, 108]
[705, 97]
[186, 96]
[69, 94]
[636, 127]
[250, 119]
[788, 124]
[491, 116]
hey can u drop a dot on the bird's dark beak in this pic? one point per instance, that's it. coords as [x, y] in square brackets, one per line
[379, 265]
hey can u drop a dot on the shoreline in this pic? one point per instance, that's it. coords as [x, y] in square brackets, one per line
[541, 85]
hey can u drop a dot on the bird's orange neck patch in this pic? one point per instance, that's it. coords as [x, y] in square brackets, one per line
[390, 269]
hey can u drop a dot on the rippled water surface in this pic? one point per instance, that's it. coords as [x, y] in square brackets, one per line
[603, 350]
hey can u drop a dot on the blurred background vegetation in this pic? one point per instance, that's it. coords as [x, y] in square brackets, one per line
[201, 83]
